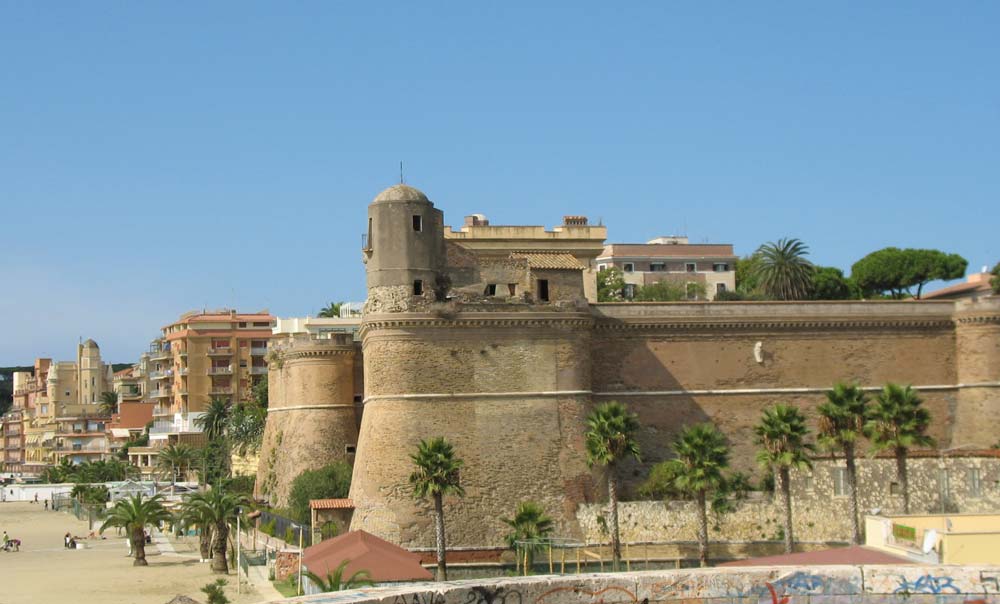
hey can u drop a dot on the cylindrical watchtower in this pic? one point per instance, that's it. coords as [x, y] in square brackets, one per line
[311, 419]
[404, 245]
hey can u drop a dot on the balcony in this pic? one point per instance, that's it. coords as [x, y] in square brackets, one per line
[184, 370]
[258, 351]
[220, 351]
[221, 390]
[180, 423]
[182, 353]
[155, 355]
[182, 391]
[258, 370]
[220, 370]
[161, 393]
[130, 394]
[95, 447]
[160, 375]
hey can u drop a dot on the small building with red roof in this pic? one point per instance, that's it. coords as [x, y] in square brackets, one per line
[385, 562]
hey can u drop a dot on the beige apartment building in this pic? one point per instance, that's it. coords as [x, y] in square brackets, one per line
[56, 412]
[575, 236]
[201, 356]
[709, 266]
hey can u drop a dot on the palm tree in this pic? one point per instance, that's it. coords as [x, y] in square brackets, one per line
[175, 459]
[702, 456]
[530, 525]
[220, 509]
[610, 438]
[897, 421]
[331, 311]
[437, 475]
[335, 580]
[782, 432]
[134, 515]
[109, 403]
[193, 513]
[841, 423]
[782, 270]
[213, 423]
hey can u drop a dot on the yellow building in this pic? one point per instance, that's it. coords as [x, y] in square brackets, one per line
[937, 538]
[575, 236]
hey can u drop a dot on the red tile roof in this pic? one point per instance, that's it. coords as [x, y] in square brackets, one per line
[383, 560]
[976, 282]
[855, 554]
[331, 504]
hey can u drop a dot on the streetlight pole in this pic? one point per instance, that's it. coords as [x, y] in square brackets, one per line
[238, 567]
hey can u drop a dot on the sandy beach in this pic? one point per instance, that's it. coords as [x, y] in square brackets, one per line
[44, 572]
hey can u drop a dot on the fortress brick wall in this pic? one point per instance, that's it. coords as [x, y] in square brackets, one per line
[678, 364]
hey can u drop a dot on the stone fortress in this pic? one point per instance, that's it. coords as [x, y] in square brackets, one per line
[501, 352]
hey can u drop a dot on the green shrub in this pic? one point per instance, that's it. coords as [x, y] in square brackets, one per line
[214, 592]
[290, 536]
[329, 482]
[269, 527]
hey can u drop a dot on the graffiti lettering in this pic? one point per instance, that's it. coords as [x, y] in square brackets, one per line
[987, 580]
[927, 584]
[500, 595]
[420, 598]
[774, 595]
[596, 597]
[801, 582]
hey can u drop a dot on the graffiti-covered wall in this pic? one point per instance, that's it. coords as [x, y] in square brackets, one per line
[815, 585]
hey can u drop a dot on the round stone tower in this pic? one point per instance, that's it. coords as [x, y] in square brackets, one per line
[977, 345]
[311, 418]
[403, 249]
[507, 384]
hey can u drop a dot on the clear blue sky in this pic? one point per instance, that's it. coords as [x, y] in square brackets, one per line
[159, 156]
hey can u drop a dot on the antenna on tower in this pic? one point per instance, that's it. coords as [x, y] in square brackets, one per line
[401, 173]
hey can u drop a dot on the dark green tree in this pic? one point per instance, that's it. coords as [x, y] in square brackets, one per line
[896, 270]
[610, 439]
[782, 271]
[841, 424]
[747, 283]
[995, 281]
[436, 474]
[332, 481]
[782, 434]
[829, 283]
[898, 421]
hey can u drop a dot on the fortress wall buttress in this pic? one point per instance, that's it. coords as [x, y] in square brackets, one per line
[510, 391]
[675, 365]
[977, 334]
[311, 414]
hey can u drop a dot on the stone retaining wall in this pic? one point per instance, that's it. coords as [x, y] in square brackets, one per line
[753, 585]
